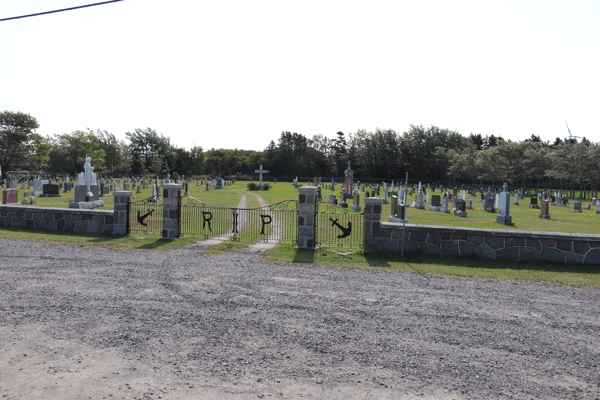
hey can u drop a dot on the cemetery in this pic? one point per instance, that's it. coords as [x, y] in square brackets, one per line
[430, 220]
[405, 219]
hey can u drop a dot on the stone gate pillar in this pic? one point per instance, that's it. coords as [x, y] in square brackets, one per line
[171, 210]
[121, 197]
[307, 207]
[373, 207]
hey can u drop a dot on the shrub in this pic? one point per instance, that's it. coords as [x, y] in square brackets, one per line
[253, 186]
[265, 186]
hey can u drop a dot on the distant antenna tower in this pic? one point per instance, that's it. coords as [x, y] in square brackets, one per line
[570, 135]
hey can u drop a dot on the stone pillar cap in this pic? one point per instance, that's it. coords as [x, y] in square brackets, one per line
[309, 189]
[373, 200]
[171, 186]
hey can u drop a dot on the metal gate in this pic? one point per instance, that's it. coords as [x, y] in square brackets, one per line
[276, 223]
[336, 226]
[145, 217]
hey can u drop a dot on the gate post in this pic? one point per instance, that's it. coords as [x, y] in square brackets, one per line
[171, 210]
[121, 212]
[307, 205]
[372, 221]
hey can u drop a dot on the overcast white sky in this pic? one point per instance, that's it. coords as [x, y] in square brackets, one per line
[235, 74]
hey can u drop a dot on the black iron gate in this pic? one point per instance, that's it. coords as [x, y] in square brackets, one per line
[336, 226]
[145, 217]
[276, 223]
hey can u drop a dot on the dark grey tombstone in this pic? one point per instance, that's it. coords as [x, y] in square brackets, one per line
[533, 201]
[436, 201]
[51, 189]
[400, 211]
[460, 205]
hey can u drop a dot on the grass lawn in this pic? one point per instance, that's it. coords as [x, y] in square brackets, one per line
[524, 218]
[564, 274]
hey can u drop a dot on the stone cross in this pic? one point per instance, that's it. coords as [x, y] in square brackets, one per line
[260, 173]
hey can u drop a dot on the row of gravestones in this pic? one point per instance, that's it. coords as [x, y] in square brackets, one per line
[459, 206]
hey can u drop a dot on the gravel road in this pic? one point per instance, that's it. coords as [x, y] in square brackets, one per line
[90, 323]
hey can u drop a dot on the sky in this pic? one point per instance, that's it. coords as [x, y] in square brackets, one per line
[237, 73]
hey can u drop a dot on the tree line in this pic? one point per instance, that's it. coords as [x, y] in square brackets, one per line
[430, 154]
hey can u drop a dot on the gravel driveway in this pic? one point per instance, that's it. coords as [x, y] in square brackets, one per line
[90, 323]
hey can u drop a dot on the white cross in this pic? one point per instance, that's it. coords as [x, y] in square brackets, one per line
[260, 173]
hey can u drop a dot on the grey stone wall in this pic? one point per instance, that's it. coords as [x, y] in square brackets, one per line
[57, 219]
[488, 244]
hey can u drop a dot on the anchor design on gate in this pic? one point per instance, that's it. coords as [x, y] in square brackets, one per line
[141, 218]
[345, 231]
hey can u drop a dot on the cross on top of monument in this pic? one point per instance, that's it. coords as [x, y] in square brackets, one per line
[260, 173]
[505, 186]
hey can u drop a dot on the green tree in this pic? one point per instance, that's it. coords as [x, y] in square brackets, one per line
[150, 152]
[19, 144]
[69, 151]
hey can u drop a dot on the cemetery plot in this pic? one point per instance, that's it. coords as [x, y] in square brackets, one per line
[145, 217]
[338, 226]
[275, 223]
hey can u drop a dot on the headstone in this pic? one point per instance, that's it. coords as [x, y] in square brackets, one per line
[577, 206]
[461, 206]
[38, 186]
[220, 182]
[394, 203]
[10, 196]
[545, 209]
[419, 202]
[497, 201]
[445, 208]
[50, 190]
[469, 204]
[533, 203]
[126, 186]
[82, 194]
[67, 188]
[185, 193]
[435, 203]
[398, 214]
[356, 200]
[348, 182]
[504, 216]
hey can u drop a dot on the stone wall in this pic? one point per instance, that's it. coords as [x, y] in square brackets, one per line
[485, 243]
[57, 219]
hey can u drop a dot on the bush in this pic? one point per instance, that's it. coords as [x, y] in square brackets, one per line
[253, 186]
[265, 186]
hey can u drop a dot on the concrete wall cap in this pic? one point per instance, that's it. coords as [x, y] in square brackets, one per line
[494, 232]
[29, 208]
